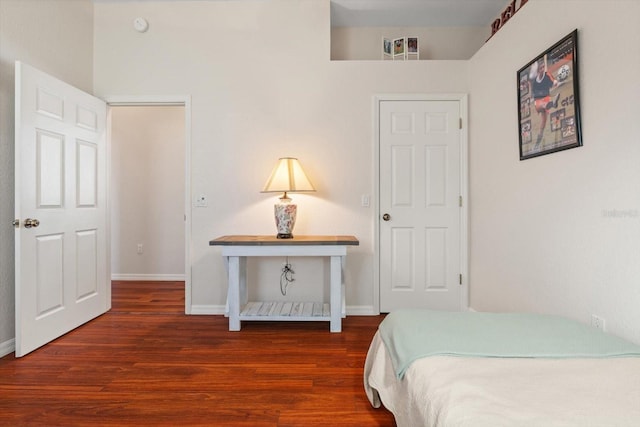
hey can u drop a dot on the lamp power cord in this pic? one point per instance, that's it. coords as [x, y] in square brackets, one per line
[286, 277]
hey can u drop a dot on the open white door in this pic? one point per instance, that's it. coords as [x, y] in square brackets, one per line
[62, 274]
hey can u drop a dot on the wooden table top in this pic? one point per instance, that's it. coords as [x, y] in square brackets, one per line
[301, 240]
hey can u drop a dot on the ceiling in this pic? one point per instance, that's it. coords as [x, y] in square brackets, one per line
[415, 13]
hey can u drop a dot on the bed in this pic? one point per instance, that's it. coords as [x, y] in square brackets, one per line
[441, 369]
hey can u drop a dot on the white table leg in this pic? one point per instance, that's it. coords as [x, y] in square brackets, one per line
[244, 293]
[336, 294]
[343, 310]
[233, 293]
[226, 304]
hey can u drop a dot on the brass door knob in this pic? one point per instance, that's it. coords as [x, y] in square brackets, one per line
[28, 223]
[386, 217]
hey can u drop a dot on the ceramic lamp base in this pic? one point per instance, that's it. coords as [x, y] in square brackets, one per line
[285, 214]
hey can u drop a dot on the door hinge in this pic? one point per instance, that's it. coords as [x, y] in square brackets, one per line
[460, 122]
[460, 201]
[460, 279]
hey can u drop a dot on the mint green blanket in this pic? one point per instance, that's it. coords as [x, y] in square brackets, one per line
[411, 334]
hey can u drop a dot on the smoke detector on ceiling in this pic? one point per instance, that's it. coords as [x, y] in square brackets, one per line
[141, 25]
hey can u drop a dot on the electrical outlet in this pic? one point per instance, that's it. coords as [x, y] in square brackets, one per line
[140, 248]
[598, 322]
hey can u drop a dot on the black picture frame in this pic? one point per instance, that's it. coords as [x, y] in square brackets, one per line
[549, 101]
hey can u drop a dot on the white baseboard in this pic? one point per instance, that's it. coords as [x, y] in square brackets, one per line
[207, 309]
[7, 347]
[149, 277]
[361, 310]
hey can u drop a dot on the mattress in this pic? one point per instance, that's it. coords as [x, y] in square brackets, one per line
[494, 391]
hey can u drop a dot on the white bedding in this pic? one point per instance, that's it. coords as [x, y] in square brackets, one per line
[493, 392]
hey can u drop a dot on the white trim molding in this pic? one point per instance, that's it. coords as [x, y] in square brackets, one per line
[7, 347]
[361, 310]
[149, 277]
[184, 100]
[208, 309]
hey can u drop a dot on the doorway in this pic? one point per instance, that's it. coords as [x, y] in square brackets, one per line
[149, 192]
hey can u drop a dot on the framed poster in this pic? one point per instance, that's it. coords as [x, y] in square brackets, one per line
[548, 100]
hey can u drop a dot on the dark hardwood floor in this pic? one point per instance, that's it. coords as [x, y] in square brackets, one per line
[145, 363]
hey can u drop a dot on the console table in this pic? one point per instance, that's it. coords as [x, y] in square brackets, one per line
[236, 249]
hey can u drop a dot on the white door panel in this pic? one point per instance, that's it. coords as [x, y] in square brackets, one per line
[419, 189]
[61, 168]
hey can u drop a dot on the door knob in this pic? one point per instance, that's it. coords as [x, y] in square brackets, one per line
[386, 217]
[28, 223]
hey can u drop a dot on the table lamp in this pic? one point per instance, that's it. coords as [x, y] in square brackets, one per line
[287, 177]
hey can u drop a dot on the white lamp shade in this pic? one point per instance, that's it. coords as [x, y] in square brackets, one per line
[288, 176]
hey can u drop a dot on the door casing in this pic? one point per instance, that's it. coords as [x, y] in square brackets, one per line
[177, 100]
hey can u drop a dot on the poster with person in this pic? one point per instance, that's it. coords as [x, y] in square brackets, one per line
[548, 107]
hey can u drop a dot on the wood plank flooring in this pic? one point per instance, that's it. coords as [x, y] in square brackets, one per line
[145, 363]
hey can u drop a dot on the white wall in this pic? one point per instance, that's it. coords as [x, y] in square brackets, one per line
[147, 192]
[262, 86]
[56, 37]
[365, 43]
[563, 229]
[259, 93]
